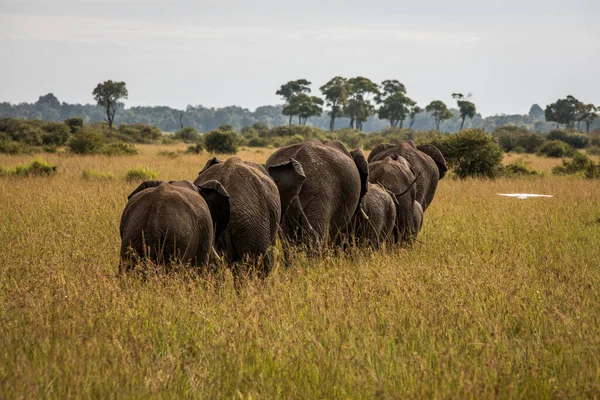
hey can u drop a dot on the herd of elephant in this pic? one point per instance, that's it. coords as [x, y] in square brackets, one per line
[312, 195]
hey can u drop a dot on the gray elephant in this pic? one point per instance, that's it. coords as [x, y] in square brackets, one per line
[374, 222]
[255, 211]
[167, 222]
[426, 161]
[320, 186]
[395, 174]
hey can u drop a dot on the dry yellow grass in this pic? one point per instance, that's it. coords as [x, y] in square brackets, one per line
[499, 298]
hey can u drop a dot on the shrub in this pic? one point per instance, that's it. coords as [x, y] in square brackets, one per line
[27, 132]
[195, 149]
[221, 141]
[294, 140]
[87, 141]
[573, 139]
[373, 140]
[258, 142]
[518, 168]
[140, 174]
[37, 167]
[580, 164]
[118, 149]
[350, 137]
[471, 153]
[55, 133]
[91, 174]
[593, 150]
[141, 133]
[530, 142]
[189, 134]
[170, 154]
[75, 124]
[14, 148]
[555, 148]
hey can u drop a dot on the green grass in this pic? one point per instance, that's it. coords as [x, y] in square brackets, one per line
[36, 167]
[140, 174]
[500, 298]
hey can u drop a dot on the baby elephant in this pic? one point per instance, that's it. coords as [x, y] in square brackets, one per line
[167, 222]
[375, 219]
[255, 211]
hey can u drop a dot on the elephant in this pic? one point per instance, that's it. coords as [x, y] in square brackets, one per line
[255, 211]
[167, 222]
[374, 222]
[395, 174]
[426, 161]
[320, 186]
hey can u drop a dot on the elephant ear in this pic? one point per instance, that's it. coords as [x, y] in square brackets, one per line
[289, 178]
[437, 156]
[378, 149]
[336, 144]
[363, 169]
[210, 163]
[218, 202]
[144, 186]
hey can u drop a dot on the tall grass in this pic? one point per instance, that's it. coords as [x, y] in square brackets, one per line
[499, 298]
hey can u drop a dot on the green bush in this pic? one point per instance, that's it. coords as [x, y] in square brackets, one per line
[169, 154]
[140, 133]
[14, 148]
[75, 124]
[593, 150]
[518, 140]
[195, 149]
[350, 137]
[37, 167]
[373, 140]
[188, 134]
[471, 153]
[87, 141]
[518, 168]
[223, 141]
[55, 133]
[140, 174]
[258, 142]
[573, 139]
[118, 149]
[90, 174]
[27, 132]
[555, 149]
[580, 164]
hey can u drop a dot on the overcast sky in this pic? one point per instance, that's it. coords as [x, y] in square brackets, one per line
[509, 54]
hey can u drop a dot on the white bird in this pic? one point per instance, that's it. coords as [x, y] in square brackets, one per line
[523, 196]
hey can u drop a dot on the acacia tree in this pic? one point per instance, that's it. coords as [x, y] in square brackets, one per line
[107, 95]
[395, 104]
[359, 106]
[336, 95]
[563, 111]
[588, 114]
[439, 112]
[304, 106]
[288, 91]
[465, 107]
[414, 110]
[396, 108]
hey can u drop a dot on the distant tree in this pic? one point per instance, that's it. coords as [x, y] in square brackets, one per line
[49, 100]
[310, 107]
[564, 111]
[390, 87]
[536, 112]
[396, 108]
[465, 107]
[414, 110]
[107, 95]
[336, 95]
[288, 91]
[359, 106]
[439, 112]
[588, 114]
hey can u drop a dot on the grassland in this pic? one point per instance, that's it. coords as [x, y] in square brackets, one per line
[499, 298]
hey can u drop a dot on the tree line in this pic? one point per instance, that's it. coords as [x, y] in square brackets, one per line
[357, 103]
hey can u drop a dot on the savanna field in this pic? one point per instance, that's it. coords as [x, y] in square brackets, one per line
[499, 298]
